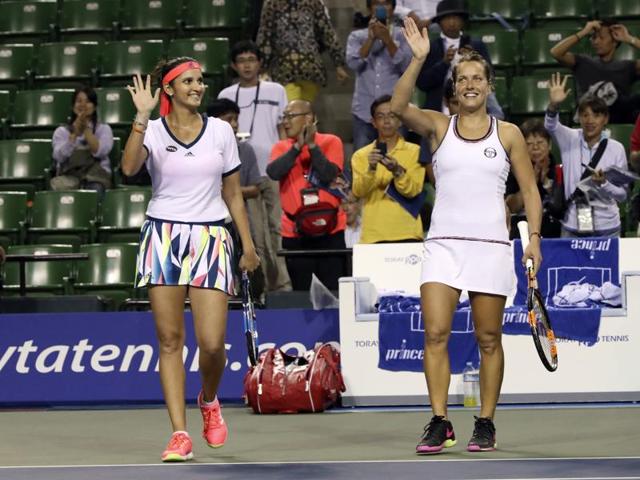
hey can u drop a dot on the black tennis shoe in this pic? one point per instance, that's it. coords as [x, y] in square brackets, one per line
[484, 436]
[438, 434]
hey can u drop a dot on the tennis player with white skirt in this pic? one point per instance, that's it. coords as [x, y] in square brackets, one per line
[467, 247]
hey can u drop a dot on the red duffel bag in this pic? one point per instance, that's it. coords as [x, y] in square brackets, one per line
[282, 383]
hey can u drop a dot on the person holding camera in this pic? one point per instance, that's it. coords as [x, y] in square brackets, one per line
[307, 165]
[390, 160]
[587, 153]
[378, 55]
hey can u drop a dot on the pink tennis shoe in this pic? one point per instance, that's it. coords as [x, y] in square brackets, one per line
[179, 448]
[214, 429]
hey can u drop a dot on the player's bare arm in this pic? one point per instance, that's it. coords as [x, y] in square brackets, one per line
[423, 122]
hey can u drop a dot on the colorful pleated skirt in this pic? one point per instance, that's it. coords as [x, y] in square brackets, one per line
[194, 254]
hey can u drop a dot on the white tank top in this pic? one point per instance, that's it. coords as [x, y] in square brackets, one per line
[470, 184]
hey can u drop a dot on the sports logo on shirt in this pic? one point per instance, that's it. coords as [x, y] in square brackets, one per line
[189, 154]
[490, 152]
[172, 148]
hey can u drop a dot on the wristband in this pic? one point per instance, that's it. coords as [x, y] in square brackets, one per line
[578, 36]
[535, 233]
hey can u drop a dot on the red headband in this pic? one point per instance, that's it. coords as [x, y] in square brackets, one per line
[165, 100]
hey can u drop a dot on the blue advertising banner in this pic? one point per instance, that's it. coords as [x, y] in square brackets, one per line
[401, 342]
[113, 357]
[576, 272]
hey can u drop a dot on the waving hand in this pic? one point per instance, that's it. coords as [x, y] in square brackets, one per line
[141, 94]
[417, 40]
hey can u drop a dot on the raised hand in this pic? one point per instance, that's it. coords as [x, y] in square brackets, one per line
[418, 40]
[620, 33]
[141, 94]
[558, 89]
[590, 27]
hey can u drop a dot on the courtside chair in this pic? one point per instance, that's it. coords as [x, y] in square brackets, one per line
[121, 60]
[16, 64]
[530, 96]
[123, 211]
[109, 272]
[503, 47]
[36, 113]
[508, 9]
[89, 19]
[618, 8]
[25, 161]
[141, 18]
[211, 53]
[50, 277]
[28, 20]
[63, 217]
[66, 64]
[13, 216]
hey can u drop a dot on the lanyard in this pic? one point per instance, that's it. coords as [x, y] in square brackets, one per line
[255, 105]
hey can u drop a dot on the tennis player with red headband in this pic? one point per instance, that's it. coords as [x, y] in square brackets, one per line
[184, 248]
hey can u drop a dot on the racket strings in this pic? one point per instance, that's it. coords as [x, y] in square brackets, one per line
[545, 334]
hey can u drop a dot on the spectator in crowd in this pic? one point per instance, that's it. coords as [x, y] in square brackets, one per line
[384, 219]
[261, 104]
[378, 55]
[422, 11]
[228, 111]
[446, 51]
[292, 37]
[634, 160]
[81, 148]
[578, 147]
[306, 164]
[538, 143]
[603, 75]
[352, 207]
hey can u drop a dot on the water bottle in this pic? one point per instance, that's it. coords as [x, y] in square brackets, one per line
[471, 384]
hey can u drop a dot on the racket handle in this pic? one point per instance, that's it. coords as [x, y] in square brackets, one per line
[523, 228]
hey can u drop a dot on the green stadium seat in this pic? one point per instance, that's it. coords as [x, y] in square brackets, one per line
[110, 271]
[562, 9]
[23, 18]
[622, 133]
[115, 106]
[211, 53]
[27, 160]
[537, 44]
[68, 62]
[503, 48]
[13, 216]
[16, 64]
[40, 110]
[207, 15]
[5, 112]
[530, 96]
[63, 216]
[502, 93]
[151, 16]
[618, 8]
[89, 18]
[122, 214]
[121, 60]
[509, 9]
[49, 276]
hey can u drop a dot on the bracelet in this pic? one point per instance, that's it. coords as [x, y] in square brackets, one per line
[141, 132]
[135, 120]
[578, 36]
[535, 233]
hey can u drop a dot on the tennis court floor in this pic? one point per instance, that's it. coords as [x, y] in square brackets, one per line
[534, 443]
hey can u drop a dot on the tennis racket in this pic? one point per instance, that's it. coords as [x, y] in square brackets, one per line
[249, 317]
[541, 330]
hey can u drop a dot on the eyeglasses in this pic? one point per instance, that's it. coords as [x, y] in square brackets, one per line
[384, 116]
[289, 116]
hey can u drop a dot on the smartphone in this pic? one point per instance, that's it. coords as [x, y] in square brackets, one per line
[381, 14]
[382, 147]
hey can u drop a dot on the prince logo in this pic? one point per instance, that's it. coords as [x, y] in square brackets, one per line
[490, 152]
[172, 148]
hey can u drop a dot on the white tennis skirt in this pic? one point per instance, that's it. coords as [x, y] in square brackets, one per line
[471, 265]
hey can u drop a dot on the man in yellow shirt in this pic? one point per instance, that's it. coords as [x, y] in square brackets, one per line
[384, 219]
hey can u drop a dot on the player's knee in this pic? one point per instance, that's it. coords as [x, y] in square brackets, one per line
[489, 341]
[212, 350]
[436, 336]
[170, 343]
